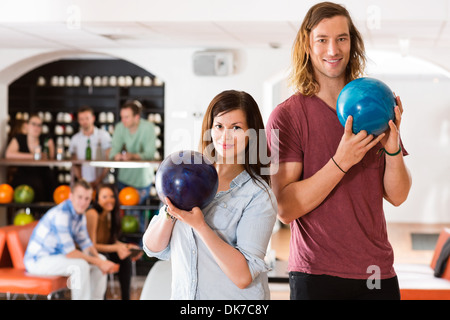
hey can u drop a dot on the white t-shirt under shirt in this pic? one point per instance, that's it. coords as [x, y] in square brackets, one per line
[99, 140]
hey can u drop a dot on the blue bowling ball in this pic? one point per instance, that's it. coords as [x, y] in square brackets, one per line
[370, 102]
[188, 179]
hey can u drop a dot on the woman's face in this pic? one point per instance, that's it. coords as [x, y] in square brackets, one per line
[229, 135]
[34, 126]
[106, 199]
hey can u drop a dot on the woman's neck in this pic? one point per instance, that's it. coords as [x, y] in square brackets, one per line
[229, 171]
[32, 138]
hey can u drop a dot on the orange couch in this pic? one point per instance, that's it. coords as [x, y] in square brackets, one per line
[13, 277]
[417, 282]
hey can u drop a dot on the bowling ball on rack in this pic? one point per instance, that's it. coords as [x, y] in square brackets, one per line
[129, 224]
[188, 179]
[371, 104]
[61, 193]
[129, 196]
[23, 194]
[23, 217]
[6, 193]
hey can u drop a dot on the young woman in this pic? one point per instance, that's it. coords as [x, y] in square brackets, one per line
[24, 146]
[217, 252]
[103, 224]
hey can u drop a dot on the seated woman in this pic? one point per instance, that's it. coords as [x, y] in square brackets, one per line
[24, 146]
[103, 224]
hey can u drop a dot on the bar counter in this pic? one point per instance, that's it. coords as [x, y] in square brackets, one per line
[94, 163]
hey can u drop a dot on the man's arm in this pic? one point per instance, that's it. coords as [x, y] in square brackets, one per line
[297, 198]
[92, 257]
[397, 178]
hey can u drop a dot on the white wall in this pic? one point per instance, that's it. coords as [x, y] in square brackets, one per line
[425, 131]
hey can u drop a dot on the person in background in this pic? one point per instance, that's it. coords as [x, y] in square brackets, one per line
[99, 141]
[330, 182]
[103, 225]
[33, 145]
[52, 249]
[217, 252]
[20, 126]
[134, 139]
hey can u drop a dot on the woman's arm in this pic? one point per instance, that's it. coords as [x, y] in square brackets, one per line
[12, 151]
[120, 248]
[230, 260]
[51, 148]
[157, 236]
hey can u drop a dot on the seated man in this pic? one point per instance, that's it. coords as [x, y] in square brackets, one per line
[52, 251]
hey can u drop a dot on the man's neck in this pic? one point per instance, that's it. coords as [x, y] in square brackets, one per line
[89, 131]
[330, 89]
[134, 127]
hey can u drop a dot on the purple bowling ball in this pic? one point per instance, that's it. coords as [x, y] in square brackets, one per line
[188, 179]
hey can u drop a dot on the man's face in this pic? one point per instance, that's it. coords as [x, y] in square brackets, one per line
[81, 199]
[330, 48]
[128, 118]
[86, 120]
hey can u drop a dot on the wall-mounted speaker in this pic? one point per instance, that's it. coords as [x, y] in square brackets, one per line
[213, 63]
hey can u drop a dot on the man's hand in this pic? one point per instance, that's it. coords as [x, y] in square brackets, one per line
[353, 147]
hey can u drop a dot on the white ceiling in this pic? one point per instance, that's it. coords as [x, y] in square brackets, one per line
[420, 28]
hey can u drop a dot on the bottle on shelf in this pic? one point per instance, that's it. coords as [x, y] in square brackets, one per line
[46, 151]
[88, 150]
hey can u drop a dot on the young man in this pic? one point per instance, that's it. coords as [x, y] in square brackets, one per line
[138, 137]
[52, 251]
[134, 139]
[330, 183]
[99, 139]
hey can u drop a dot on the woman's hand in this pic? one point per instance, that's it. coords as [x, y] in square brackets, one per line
[194, 218]
[122, 250]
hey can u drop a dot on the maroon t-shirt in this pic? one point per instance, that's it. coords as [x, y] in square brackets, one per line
[346, 235]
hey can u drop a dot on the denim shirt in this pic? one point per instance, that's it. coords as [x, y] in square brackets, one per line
[242, 216]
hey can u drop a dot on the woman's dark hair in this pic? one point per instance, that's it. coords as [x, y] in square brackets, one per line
[115, 213]
[238, 100]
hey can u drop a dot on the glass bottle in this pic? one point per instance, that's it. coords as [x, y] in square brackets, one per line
[124, 149]
[99, 151]
[88, 150]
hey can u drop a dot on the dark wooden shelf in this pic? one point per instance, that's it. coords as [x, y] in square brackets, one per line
[33, 205]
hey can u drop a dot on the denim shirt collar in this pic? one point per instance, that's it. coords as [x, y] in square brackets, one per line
[240, 179]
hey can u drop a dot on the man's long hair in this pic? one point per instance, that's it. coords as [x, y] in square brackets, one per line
[302, 74]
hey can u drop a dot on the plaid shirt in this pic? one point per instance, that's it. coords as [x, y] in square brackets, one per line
[57, 232]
